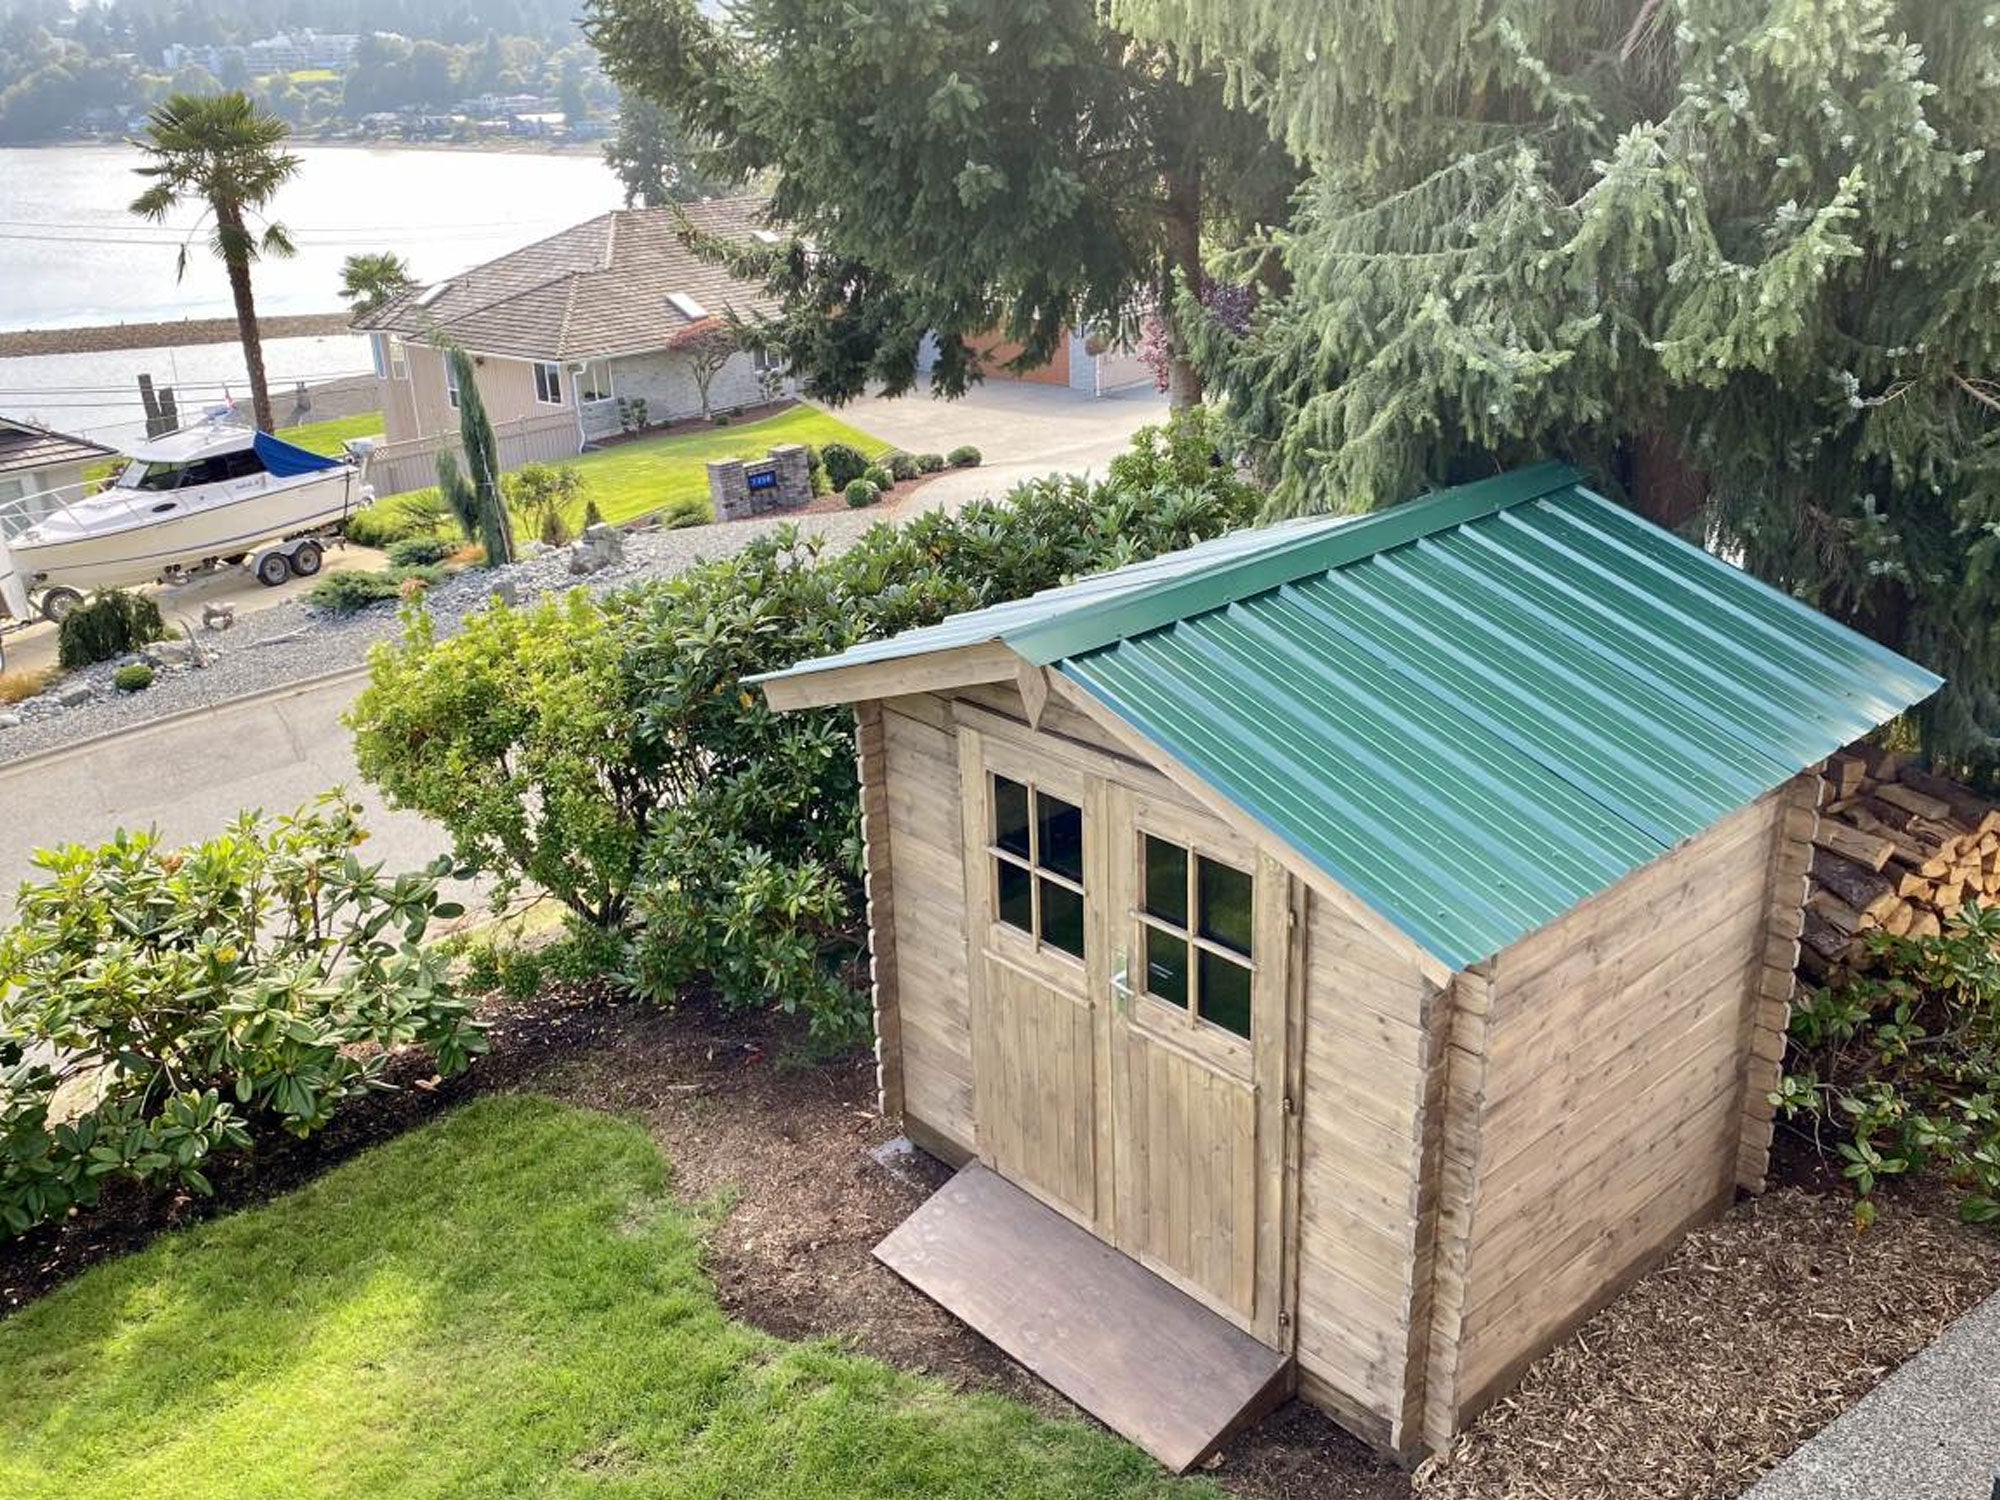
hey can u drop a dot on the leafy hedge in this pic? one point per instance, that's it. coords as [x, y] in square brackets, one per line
[160, 1004]
[110, 623]
[1901, 1063]
[610, 753]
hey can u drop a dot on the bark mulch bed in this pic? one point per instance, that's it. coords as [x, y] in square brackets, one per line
[1755, 1333]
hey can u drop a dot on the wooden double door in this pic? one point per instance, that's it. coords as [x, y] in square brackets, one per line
[1129, 972]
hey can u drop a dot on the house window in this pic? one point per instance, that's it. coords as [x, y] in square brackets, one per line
[1037, 857]
[765, 361]
[548, 382]
[593, 383]
[1195, 920]
[399, 364]
[451, 381]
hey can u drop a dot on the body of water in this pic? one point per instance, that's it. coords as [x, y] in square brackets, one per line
[71, 254]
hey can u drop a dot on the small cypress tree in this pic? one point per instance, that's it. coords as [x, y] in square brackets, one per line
[474, 493]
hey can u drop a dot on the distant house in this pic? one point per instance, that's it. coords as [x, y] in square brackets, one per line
[36, 467]
[579, 323]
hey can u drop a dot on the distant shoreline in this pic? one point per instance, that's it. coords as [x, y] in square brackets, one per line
[495, 145]
[27, 343]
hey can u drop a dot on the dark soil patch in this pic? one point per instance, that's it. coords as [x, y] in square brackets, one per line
[1755, 1333]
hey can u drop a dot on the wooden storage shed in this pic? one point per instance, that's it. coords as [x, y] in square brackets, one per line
[1341, 955]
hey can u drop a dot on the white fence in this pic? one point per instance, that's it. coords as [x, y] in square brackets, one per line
[397, 468]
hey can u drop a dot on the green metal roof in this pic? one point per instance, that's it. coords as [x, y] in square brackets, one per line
[1474, 710]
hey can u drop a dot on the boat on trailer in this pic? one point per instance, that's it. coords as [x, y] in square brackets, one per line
[191, 500]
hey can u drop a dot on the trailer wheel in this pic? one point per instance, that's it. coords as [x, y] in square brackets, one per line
[273, 569]
[306, 559]
[57, 604]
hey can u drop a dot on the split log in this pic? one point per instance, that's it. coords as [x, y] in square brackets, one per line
[1835, 910]
[1851, 843]
[1966, 806]
[1860, 887]
[1923, 805]
[1845, 773]
[1823, 938]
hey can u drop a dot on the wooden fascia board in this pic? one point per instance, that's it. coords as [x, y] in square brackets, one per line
[934, 672]
[1433, 968]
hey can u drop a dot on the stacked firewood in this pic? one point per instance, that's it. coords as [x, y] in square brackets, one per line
[1896, 849]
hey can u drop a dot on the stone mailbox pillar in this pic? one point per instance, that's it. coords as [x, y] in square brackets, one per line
[729, 489]
[795, 487]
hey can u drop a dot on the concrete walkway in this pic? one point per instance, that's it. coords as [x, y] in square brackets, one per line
[1931, 1431]
[1022, 431]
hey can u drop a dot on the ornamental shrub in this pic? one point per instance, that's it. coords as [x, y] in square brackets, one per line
[159, 1005]
[816, 469]
[901, 465]
[135, 678]
[109, 624]
[929, 463]
[1900, 1064]
[880, 477]
[610, 753]
[862, 492]
[419, 551]
[546, 496]
[844, 464]
[965, 456]
[419, 513]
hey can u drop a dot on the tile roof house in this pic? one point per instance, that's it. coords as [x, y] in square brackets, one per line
[583, 322]
[36, 465]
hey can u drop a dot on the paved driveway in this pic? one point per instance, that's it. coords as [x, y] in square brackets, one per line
[1021, 430]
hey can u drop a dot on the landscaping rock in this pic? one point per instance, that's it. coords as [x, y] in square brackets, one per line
[10, 721]
[599, 547]
[74, 694]
[168, 653]
[218, 616]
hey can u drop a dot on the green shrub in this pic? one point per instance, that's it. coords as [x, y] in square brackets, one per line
[609, 752]
[1186, 451]
[816, 468]
[546, 496]
[719, 419]
[419, 551]
[844, 464]
[109, 624]
[965, 456]
[1900, 1063]
[135, 678]
[685, 510]
[862, 492]
[929, 463]
[419, 513]
[498, 964]
[355, 589]
[902, 466]
[158, 1005]
[880, 477]
[592, 516]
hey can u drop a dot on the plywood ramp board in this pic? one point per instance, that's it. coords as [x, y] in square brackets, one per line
[1146, 1360]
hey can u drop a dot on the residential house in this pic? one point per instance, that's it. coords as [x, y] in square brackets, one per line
[39, 469]
[575, 324]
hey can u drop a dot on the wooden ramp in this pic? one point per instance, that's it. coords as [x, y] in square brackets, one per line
[1145, 1359]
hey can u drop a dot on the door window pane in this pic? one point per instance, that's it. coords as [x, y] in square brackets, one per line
[1062, 918]
[1167, 967]
[1225, 905]
[1061, 836]
[1017, 898]
[1010, 816]
[1225, 993]
[1166, 881]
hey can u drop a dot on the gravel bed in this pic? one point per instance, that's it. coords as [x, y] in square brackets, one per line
[292, 642]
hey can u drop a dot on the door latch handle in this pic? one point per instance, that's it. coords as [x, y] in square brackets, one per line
[1121, 982]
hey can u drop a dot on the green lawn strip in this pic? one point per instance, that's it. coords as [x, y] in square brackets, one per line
[632, 479]
[326, 437]
[506, 1302]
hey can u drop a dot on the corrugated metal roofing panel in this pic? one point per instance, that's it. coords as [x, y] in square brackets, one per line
[1474, 711]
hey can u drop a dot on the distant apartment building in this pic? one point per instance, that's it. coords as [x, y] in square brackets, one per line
[292, 52]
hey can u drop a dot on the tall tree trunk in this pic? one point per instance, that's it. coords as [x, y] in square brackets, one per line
[238, 265]
[1183, 225]
[1666, 488]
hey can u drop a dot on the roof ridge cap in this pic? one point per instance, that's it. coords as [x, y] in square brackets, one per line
[1288, 559]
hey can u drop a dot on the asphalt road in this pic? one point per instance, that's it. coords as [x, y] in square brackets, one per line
[189, 776]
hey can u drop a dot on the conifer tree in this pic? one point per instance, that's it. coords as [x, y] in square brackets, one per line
[1739, 258]
[474, 493]
[951, 166]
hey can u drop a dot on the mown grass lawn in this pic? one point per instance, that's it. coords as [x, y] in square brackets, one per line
[632, 479]
[507, 1302]
[326, 437]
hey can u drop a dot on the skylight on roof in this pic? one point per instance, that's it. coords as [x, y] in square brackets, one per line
[686, 306]
[764, 236]
[430, 294]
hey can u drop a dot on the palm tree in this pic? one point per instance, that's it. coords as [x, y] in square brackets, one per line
[222, 150]
[368, 281]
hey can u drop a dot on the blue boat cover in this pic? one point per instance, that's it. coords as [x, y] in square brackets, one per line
[287, 460]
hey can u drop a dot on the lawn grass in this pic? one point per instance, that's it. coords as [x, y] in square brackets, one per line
[632, 479]
[507, 1302]
[326, 437]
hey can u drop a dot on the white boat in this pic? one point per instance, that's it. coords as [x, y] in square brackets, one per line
[189, 499]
